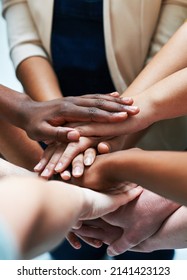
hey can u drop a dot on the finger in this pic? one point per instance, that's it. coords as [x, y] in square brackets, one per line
[112, 97]
[49, 169]
[104, 147]
[65, 175]
[73, 240]
[104, 204]
[49, 151]
[78, 166]
[49, 133]
[114, 94]
[71, 151]
[77, 225]
[116, 248]
[99, 230]
[89, 156]
[91, 241]
[101, 129]
[92, 233]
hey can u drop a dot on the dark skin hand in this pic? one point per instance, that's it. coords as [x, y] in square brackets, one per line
[42, 121]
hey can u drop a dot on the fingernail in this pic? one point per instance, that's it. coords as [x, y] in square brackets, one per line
[73, 135]
[45, 173]
[111, 252]
[38, 166]
[88, 161]
[77, 171]
[58, 167]
[66, 175]
[126, 99]
[131, 108]
[115, 94]
[97, 243]
[121, 114]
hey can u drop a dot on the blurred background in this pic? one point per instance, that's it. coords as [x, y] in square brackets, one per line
[8, 78]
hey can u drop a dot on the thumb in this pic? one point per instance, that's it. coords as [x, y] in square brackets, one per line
[59, 134]
[117, 247]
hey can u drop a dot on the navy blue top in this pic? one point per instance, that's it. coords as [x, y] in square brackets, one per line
[77, 46]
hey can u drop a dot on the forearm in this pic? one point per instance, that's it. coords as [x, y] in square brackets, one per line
[9, 169]
[14, 106]
[174, 226]
[165, 237]
[17, 148]
[169, 59]
[38, 79]
[42, 200]
[159, 171]
[164, 100]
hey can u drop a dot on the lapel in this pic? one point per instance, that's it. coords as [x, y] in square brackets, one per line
[42, 12]
[129, 26]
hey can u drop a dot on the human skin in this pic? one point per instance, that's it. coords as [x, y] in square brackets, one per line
[139, 220]
[166, 99]
[45, 200]
[17, 148]
[160, 171]
[159, 91]
[170, 235]
[43, 121]
[163, 172]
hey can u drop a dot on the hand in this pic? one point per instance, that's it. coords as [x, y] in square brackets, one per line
[58, 156]
[171, 235]
[88, 229]
[42, 120]
[102, 175]
[139, 219]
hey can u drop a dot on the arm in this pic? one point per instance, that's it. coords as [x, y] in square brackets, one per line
[149, 85]
[46, 200]
[42, 120]
[165, 237]
[167, 99]
[162, 172]
[17, 148]
[164, 100]
[138, 220]
[9, 169]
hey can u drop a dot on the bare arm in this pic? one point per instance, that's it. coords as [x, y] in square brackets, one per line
[48, 201]
[162, 172]
[38, 79]
[17, 148]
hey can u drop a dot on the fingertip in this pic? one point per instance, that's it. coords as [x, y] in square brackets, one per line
[111, 252]
[103, 148]
[77, 171]
[127, 100]
[38, 167]
[73, 135]
[88, 161]
[114, 94]
[66, 175]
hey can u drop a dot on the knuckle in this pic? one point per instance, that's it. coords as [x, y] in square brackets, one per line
[99, 103]
[92, 112]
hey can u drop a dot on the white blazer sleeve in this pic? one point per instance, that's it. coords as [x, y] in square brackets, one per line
[23, 37]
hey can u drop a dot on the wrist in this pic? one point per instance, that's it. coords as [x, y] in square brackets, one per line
[24, 111]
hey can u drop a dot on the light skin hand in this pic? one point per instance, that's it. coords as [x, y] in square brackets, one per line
[58, 157]
[172, 234]
[104, 231]
[140, 219]
[87, 158]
